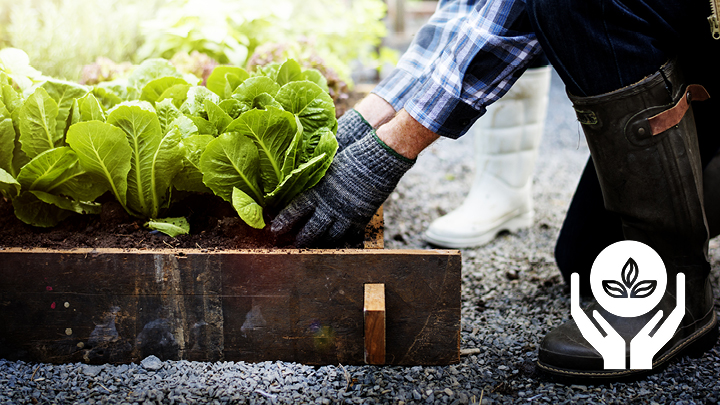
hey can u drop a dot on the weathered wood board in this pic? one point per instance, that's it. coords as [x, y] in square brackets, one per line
[116, 306]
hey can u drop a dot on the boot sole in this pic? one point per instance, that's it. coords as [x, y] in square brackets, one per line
[698, 344]
[511, 225]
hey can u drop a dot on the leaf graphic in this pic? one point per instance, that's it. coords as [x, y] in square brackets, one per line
[630, 273]
[614, 289]
[643, 289]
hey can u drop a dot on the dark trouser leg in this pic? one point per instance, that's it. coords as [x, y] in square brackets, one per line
[652, 179]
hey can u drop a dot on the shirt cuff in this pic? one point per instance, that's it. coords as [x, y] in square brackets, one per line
[397, 88]
[441, 112]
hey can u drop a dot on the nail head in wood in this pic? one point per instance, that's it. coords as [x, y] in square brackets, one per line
[374, 314]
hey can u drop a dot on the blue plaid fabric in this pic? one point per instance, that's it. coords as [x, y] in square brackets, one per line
[466, 57]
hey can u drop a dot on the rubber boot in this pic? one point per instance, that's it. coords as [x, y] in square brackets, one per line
[506, 146]
[650, 174]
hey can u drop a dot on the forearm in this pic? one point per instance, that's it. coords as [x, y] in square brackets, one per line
[406, 136]
[375, 110]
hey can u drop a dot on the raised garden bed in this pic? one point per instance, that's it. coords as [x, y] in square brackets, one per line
[114, 305]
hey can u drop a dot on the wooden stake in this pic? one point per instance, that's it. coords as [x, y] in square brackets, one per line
[374, 313]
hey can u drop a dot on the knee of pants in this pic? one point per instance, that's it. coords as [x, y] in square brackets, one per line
[552, 13]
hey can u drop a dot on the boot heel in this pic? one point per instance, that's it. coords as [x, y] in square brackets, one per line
[704, 344]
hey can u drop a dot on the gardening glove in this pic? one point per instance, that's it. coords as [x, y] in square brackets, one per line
[358, 181]
[351, 127]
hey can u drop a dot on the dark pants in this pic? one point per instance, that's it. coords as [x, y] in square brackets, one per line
[598, 46]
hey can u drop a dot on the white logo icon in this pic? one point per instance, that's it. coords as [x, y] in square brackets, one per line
[628, 279]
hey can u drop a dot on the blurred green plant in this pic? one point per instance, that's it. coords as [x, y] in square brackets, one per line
[340, 31]
[60, 36]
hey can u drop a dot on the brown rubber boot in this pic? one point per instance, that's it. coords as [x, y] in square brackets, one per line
[643, 142]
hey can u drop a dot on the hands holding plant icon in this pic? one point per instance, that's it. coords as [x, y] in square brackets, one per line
[612, 346]
[628, 298]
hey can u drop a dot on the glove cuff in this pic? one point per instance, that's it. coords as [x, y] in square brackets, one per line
[377, 160]
[351, 127]
[391, 150]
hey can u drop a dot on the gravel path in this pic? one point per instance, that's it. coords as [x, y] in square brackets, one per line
[512, 296]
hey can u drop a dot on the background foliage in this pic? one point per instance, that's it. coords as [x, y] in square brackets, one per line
[60, 36]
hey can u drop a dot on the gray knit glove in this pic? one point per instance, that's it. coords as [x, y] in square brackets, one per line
[359, 180]
[351, 127]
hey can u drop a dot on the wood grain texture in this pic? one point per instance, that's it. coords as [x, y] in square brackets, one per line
[115, 306]
[374, 317]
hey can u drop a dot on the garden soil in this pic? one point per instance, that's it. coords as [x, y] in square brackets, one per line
[214, 225]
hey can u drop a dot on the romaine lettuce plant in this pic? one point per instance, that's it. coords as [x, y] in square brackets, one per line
[277, 137]
[39, 173]
[255, 140]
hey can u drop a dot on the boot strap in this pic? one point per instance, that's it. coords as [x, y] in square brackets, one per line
[669, 118]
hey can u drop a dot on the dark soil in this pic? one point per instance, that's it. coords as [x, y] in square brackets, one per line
[214, 225]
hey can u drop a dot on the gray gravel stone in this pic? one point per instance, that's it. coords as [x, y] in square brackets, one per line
[151, 363]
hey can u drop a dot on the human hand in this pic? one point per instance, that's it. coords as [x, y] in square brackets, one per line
[612, 346]
[643, 347]
[359, 180]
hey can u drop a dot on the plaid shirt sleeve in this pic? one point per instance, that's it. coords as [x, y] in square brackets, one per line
[488, 50]
[423, 52]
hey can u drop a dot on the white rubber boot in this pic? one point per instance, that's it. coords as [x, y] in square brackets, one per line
[506, 145]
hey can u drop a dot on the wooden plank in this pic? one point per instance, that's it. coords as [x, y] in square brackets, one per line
[117, 306]
[374, 317]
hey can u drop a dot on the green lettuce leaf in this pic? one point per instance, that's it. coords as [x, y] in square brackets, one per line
[232, 160]
[157, 87]
[190, 178]
[155, 159]
[176, 93]
[9, 187]
[195, 102]
[38, 124]
[272, 131]
[307, 174]
[253, 87]
[68, 204]
[225, 79]
[310, 103]
[64, 93]
[104, 152]
[90, 108]
[290, 71]
[217, 116]
[170, 226]
[30, 209]
[316, 77]
[43, 171]
[150, 70]
[248, 210]
[7, 145]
